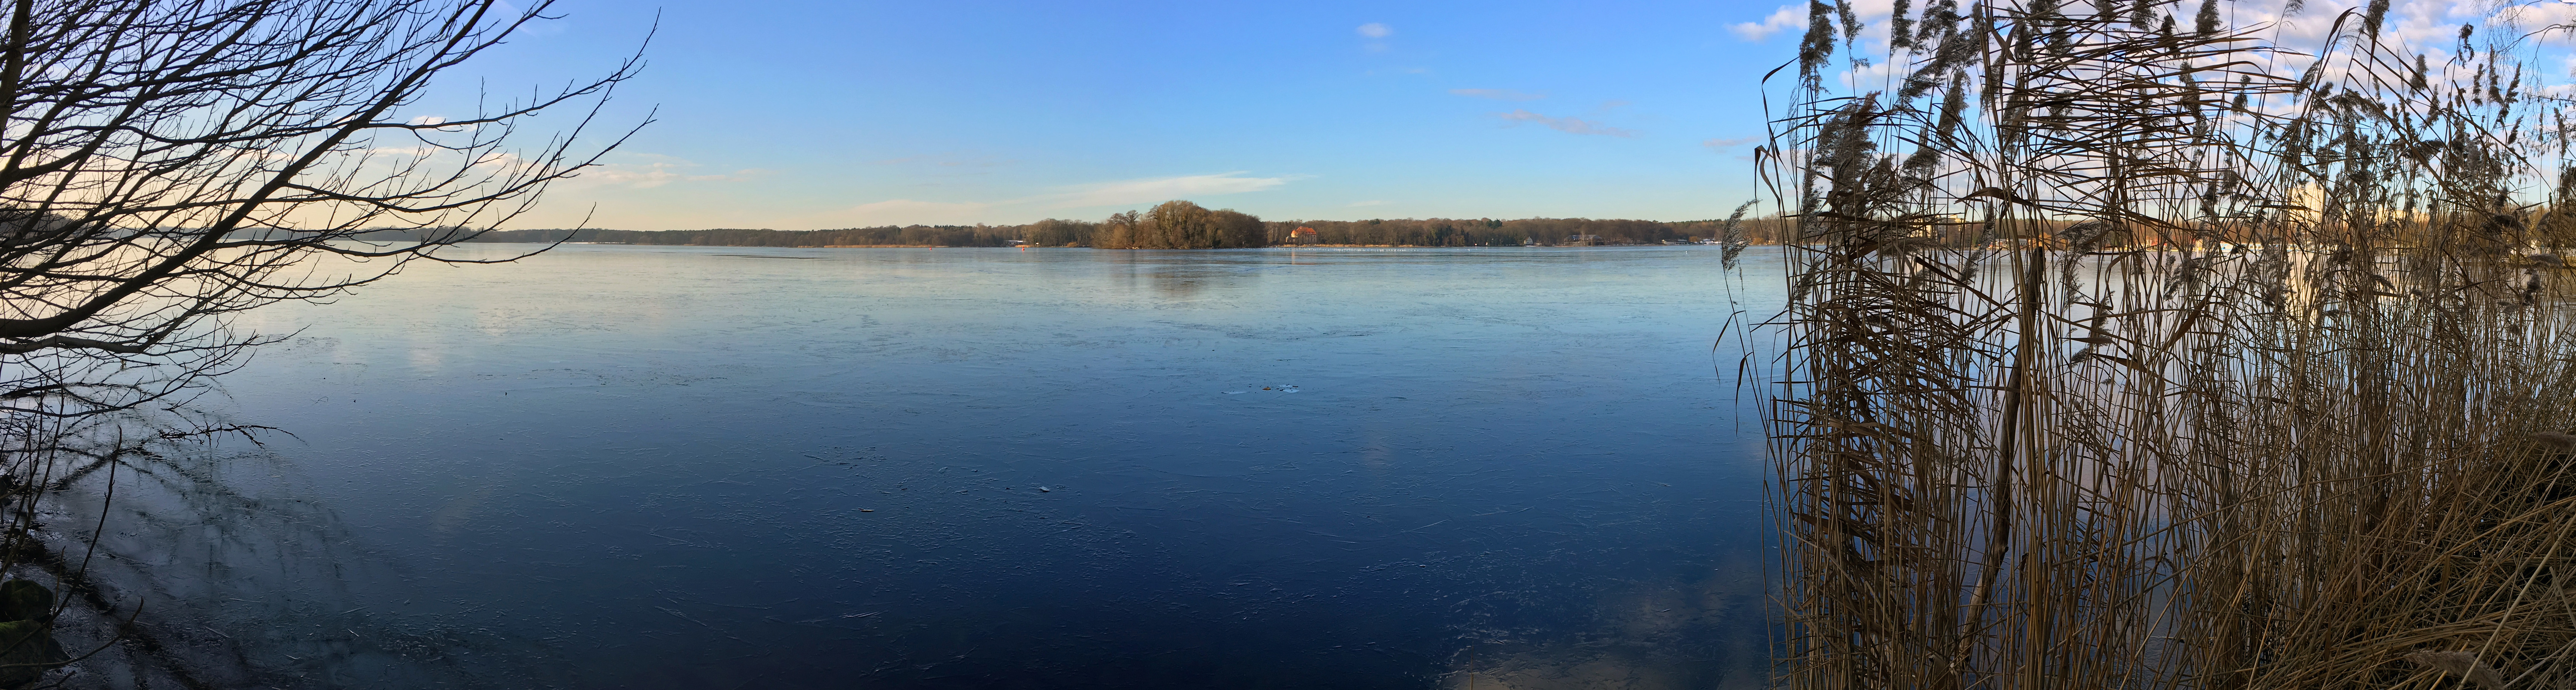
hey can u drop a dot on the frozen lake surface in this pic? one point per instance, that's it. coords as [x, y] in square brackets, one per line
[721, 467]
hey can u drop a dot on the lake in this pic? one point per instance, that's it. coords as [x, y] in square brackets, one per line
[721, 467]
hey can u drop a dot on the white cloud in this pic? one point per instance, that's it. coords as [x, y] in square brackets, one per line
[1119, 193]
[1498, 94]
[906, 212]
[1376, 30]
[1160, 189]
[946, 160]
[1567, 125]
[2429, 27]
[434, 119]
[1724, 144]
[658, 170]
[1787, 17]
[1878, 75]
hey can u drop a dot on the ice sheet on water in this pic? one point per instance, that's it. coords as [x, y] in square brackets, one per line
[1517, 463]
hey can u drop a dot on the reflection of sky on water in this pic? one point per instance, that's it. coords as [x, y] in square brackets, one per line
[707, 467]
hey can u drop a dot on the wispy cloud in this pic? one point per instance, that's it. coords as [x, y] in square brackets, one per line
[1722, 144]
[1498, 94]
[1567, 125]
[434, 119]
[1786, 17]
[657, 171]
[945, 161]
[1128, 193]
[1159, 189]
[905, 212]
[1376, 34]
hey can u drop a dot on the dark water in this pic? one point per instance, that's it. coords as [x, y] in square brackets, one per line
[777, 468]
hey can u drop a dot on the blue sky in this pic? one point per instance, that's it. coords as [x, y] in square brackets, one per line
[799, 115]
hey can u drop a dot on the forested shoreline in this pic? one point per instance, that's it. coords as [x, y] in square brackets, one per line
[1177, 225]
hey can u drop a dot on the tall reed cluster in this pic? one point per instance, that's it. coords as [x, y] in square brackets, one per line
[2129, 346]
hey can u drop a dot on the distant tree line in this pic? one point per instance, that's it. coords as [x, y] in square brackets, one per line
[1174, 225]
[1489, 232]
[888, 236]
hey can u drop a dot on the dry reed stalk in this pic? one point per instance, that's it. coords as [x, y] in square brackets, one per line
[2461, 664]
[2121, 355]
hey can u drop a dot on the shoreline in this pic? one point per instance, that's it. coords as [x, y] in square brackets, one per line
[1166, 249]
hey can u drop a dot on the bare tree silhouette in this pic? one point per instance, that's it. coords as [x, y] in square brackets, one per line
[165, 164]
